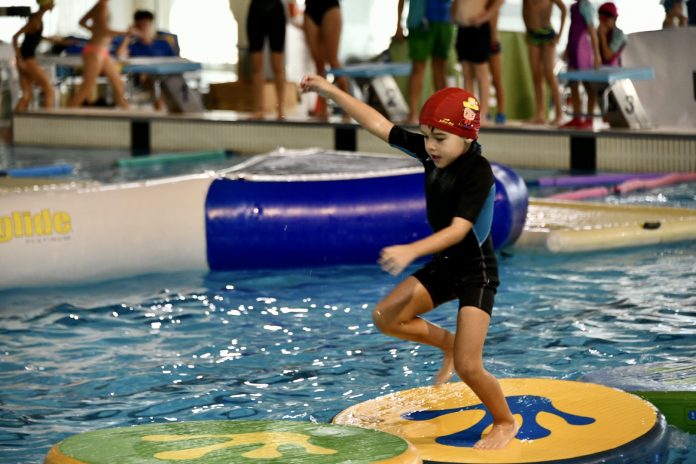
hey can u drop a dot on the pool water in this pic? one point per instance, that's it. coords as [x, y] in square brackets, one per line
[300, 345]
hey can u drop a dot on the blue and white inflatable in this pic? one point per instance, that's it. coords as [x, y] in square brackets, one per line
[284, 209]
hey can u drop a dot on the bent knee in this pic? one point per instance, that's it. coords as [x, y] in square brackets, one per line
[468, 368]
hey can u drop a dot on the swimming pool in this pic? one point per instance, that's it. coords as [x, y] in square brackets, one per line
[299, 344]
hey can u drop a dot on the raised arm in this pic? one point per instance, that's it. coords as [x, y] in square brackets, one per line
[364, 114]
[85, 20]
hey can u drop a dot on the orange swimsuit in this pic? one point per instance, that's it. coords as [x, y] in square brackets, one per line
[98, 50]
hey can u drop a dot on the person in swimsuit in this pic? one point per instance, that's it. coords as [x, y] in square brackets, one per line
[430, 35]
[30, 72]
[322, 28]
[459, 195]
[266, 18]
[496, 68]
[96, 59]
[612, 40]
[474, 45]
[541, 43]
[582, 52]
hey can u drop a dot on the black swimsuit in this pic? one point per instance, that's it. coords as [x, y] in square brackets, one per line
[266, 18]
[30, 44]
[467, 270]
[316, 9]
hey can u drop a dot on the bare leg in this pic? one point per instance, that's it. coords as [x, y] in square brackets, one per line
[548, 60]
[256, 60]
[535, 60]
[313, 37]
[483, 76]
[497, 78]
[472, 326]
[91, 69]
[468, 76]
[590, 101]
[575, 96]
[114, 77]
[25, 100]
[398, 315]
[439, 66]
[37, 75]
[415, 90]
[278, 65]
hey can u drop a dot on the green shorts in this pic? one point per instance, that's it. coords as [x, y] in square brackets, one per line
[435, 41]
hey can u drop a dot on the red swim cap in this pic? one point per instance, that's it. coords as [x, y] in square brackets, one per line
[608, 9]
[452, 110]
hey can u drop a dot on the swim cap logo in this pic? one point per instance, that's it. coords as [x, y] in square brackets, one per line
[268, 442]
[447, 121]
[528, 406]
[470, 107]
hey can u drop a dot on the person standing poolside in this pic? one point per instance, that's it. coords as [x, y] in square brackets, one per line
[95, 56]
[582, 52]
[474, 45]
[612, 40]
[674, 14]
[496, 65]
[266, 18]
[30, 72]
[322, 27]
[541, 43]
[430, 34]
[460, 193]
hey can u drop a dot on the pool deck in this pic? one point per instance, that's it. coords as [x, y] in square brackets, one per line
[519, 145]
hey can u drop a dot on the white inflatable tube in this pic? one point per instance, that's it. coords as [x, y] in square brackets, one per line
[97, 233]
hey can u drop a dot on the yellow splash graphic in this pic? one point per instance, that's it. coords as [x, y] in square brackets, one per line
[269, 441]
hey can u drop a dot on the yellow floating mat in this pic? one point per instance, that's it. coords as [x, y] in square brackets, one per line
[561, 421]
[239, 442]
[562, 226]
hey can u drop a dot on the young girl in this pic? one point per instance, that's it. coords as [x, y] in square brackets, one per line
[460, 191]
[582, 52]
[95, 56]
[30, 72]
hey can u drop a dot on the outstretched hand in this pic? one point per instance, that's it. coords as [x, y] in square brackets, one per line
[395, 259]
[315, 83]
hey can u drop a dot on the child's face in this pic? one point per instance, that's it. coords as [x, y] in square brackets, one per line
[442, 146]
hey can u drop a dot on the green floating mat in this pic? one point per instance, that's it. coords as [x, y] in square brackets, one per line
[670, 386]
[239, 442]
[169, 158]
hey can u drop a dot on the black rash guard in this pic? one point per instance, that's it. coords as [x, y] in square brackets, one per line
[466, 189]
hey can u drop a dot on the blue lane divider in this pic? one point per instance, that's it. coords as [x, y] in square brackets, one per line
[39, 171]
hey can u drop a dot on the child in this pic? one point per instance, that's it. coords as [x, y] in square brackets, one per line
[30, 72]
[266, 18]
[582, 52]
[674, 14]
[541, 42]
[95, 56]
[474, 45]
[430, 34]
[460, 191]
[612, 40]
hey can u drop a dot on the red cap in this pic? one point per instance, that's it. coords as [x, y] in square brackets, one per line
[452, 110]
[608, 9]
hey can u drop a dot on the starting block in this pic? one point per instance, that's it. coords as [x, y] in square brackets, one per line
[379, 77]
[621, 106]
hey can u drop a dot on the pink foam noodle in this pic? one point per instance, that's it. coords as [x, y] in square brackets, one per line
[582, 194]
[669, 179]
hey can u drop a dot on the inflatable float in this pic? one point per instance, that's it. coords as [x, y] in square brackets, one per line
[560, 421]
[230, 441]
[670, 386]
[284, 209]
[565, 226]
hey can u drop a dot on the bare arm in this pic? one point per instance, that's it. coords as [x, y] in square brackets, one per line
[396, 258]
[87, 21]
[564, 15]
[364, 114]
[15, 40]
[399, 30]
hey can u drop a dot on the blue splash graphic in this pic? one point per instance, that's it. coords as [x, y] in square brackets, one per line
[528, 406]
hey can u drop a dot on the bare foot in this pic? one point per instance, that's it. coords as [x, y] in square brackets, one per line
[499, 436]
[446, 370]
[257, 115]
[536, 120]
